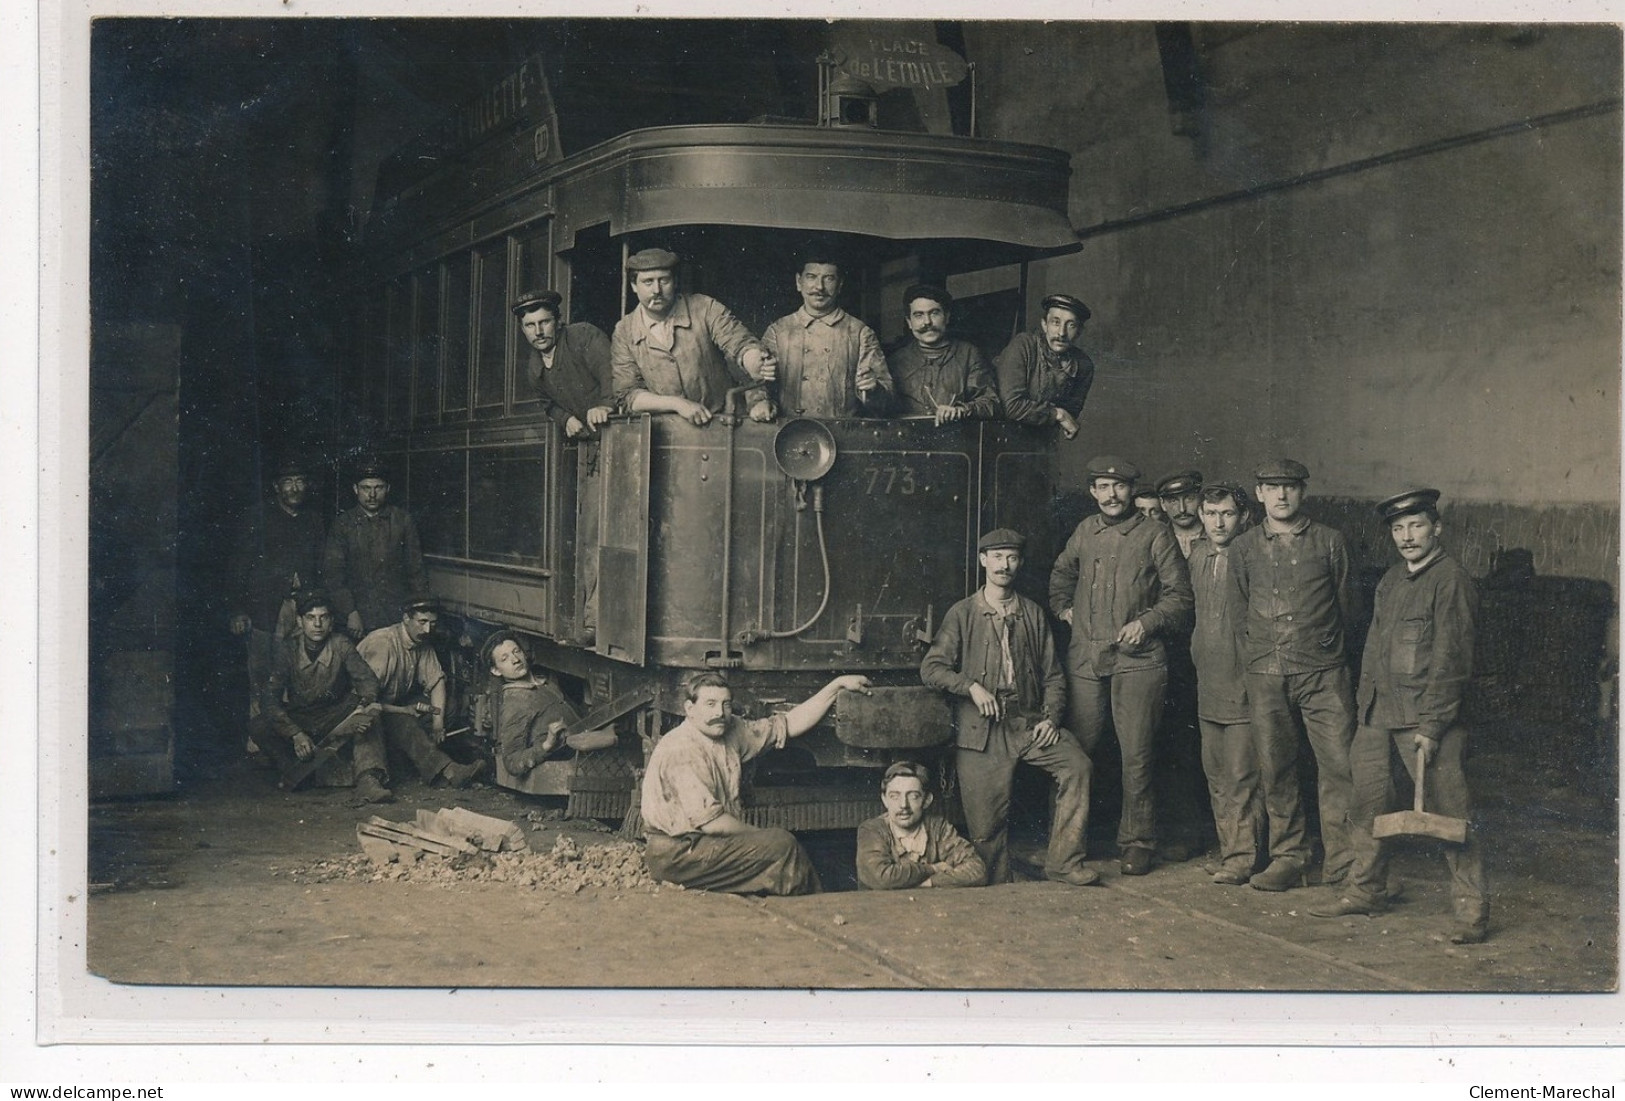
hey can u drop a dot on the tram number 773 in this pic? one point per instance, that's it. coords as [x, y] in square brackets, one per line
[888, 479]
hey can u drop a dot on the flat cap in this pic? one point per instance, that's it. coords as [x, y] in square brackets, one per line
[1403, 504]
[1112, 466]
[1066, 302]
[1281, 470]
[1175, 485]
[653, 259]
[1002, 539]
[292, 467]
[420, 604]
[927, 290]
[1219, 490]
[371, 467]
[532, 300]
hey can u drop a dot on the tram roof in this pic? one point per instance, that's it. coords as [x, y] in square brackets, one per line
[901, 186]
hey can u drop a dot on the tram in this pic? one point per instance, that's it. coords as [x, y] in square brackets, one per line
[783, 553]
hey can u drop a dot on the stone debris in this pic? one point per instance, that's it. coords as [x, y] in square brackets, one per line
[569, 868]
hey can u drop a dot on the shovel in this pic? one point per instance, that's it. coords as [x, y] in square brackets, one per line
[1418, 822]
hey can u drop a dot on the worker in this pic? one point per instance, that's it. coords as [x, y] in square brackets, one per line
[939, 376]
[1044, 377]
[1417, 662]
[829, 363]
[995, 655]
[411, 688]
[692, 815]
[681, 353]
[1229, 757]
[1293, 575]
[321, 690]
[1123, 587]
[569, 372]
[374, 559]
[907, 846]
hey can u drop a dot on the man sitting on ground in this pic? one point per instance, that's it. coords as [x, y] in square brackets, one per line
[907, 847]
[698, 837]
[320, 689]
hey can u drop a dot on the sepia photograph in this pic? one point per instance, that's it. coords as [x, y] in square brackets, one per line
[901, 505]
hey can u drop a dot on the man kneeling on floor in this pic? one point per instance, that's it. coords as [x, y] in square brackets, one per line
[691, 812]
[530, 712]
[906, 847]
[321, 691]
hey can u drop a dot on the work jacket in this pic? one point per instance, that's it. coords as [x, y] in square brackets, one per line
[1419, 654]
[967, 650]
[1110, 575]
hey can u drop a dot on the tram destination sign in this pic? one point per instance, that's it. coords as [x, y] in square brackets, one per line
[896, 59]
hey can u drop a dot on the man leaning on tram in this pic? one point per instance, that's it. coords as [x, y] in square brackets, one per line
[681, 353]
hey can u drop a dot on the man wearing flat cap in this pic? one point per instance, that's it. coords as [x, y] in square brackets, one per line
[411, 688]
[1122, 585]
[937, 375]
[995, 655]
[278, 551]
[1181, 786]
[1229, 758]
[1044, 377]
[829, 363]
[1418, 659]
[1292, 573]
[568, 368]
[569, 375]
[1180, 496]
[374, 559]
[682, 353]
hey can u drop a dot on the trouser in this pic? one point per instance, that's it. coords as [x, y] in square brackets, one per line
[406, 735]
[366, 748]
[757, 861]
[1131, 703]
[1178, 780]
[1324, 701]
[985, 780]
[1445, 792]
[1231, 762]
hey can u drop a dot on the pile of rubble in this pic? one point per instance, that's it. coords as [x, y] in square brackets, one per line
[458, 846]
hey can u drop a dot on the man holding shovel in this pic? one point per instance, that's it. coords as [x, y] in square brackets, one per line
[1418, 657]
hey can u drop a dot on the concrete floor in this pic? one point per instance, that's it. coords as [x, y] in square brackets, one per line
[202, 888]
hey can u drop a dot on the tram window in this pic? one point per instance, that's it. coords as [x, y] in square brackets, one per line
[437, 480]
[459, 290]
[398, 351]
[426, 353]
[505, 505]
[535, 254]
[490, 373]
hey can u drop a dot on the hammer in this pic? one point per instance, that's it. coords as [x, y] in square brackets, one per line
[1417, 822]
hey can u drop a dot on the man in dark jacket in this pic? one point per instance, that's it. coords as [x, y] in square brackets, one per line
[374, 561]
[1418, 658]
[569, 373]
[1293, 575]
[994, 653]
[1044, 378]
[279, 551]
[1123, 586]
[319, 687]
[937, 375]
